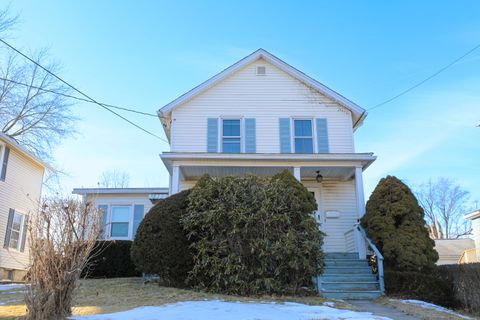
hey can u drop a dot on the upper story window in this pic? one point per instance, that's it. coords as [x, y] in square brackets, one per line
[120, 221]
[303, 135]
[231, 136]
[4, 152]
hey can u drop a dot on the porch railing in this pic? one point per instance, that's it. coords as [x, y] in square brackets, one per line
[356, 240]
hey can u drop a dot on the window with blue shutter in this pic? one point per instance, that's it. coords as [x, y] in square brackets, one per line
[284, 133]
[322, 136]
[303, 135]
[212, 135]
[231, 136]
[250, 136]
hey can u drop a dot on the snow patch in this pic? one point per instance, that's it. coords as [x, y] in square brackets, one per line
[208, 310]
[432, 306]
[11, 286]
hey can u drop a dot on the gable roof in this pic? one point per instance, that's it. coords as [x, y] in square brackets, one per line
[358, 113]
[15, 145]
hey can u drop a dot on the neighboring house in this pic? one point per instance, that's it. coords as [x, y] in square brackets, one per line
[475, 218]
[451, 251]
[262, 116]
[21, 179]
[123, 208]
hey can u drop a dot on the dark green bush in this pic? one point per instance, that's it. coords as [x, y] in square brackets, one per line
[421, 286]
[161, 246]
[252, 235]
[111, 259]
[395, 223]
[465, 281]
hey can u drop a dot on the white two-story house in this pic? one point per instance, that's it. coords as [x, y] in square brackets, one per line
[262, 116]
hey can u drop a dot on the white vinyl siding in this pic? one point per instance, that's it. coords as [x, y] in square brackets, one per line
[266, 98]
[339, 196]
[20, 191]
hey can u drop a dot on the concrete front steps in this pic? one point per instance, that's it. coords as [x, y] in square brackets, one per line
[345, 276]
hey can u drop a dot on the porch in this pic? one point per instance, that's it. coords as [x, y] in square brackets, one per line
[335, 180]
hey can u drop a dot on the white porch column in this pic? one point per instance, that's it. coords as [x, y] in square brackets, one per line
[296, 173]
[175, 184]
[359, 190]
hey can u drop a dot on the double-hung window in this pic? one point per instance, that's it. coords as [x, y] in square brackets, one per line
[303, 135]
[16, 231]
[231, 136]
[120, 221]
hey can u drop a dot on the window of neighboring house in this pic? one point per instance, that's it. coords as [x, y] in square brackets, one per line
[3, 163]
[303, 135]
[120, 221]
[231, 136]
[16, 231]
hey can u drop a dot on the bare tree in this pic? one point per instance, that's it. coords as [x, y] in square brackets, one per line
[444, 204]
[114, 179]
[32, 110]
[61, 238]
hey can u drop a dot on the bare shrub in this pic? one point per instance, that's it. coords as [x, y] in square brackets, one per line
[61, 237]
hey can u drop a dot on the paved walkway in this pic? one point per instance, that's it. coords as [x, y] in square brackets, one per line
[381, 310]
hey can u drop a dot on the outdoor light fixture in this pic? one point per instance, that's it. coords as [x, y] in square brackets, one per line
[319, 177]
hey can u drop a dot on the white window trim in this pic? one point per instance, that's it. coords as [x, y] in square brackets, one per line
[242, 134]
[20, 234]
[109, 221]
[292, 132]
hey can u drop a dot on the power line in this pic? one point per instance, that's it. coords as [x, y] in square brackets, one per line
[81, 92]
[78, 98]
[426, 79]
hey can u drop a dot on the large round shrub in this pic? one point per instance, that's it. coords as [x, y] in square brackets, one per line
[253, 235]
[395, 222]
[161, 246]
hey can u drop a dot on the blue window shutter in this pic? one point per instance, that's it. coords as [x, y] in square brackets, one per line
[6, 243]
[104, 209]
[285, 141]
[24, 234]
[3, 172]
[322, 136]
[250, 136]
[138, 211]
[212, 135]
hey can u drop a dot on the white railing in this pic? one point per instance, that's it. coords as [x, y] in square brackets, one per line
[361, 243]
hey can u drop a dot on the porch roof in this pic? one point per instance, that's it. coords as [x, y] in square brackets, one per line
[331, 165]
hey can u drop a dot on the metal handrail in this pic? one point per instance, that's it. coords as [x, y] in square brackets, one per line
[377, 253]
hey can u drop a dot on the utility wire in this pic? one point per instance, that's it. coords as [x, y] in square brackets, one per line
[426, 79]
[81, 92]
[77, 98]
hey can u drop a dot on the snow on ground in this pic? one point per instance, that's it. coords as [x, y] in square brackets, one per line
[432, 306]
[11, 286]
[219, 310]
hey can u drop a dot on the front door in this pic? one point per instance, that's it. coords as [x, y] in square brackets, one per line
[319, 216]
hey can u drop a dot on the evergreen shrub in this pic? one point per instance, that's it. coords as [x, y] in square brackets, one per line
[161, 246]
[253, 235]
[394, 221]
[111, 259]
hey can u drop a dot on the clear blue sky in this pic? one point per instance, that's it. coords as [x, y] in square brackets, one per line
[143, 54]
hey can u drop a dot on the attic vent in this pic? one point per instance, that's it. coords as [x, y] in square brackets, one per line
[261, 70]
